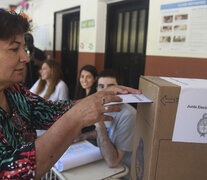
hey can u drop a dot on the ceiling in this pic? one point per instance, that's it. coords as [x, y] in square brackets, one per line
[6, 3]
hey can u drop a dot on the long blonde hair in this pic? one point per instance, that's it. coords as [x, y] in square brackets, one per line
[56, 75]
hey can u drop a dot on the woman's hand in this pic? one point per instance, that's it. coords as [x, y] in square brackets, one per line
[91, 109]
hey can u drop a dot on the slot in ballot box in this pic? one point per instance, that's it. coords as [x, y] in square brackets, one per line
[156, 156]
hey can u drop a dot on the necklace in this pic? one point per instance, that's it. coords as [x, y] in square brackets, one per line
[23, 132]
[3, 102]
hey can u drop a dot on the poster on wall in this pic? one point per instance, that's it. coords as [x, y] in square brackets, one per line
[87, 44]
[183, 27]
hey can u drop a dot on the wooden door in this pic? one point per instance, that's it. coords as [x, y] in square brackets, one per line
[70, 44]
[126, 40]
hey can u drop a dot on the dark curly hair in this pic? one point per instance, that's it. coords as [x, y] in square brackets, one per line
[12, 24]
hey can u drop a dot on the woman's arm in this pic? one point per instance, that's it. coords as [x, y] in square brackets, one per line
[47, 149]
[51, 145]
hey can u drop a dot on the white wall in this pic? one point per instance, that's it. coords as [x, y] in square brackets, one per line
[58, 36]
[101, 26]
[42, 14]
[43, 19]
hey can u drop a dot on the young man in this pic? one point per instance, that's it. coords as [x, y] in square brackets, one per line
[115, 138]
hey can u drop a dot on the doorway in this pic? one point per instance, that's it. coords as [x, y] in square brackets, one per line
[70, 44]
[126, 40]
[66, 41]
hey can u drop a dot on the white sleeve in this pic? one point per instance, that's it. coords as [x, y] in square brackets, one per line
[34, 87]
[63, 91]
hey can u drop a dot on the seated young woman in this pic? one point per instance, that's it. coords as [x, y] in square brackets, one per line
[86, 86]
[50, 86]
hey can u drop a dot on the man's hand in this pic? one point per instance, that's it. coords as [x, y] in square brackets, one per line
[122, 90]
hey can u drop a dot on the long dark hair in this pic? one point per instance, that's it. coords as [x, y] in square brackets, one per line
[12, 24]
[80, 92]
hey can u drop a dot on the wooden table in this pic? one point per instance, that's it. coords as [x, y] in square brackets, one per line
[93, 171]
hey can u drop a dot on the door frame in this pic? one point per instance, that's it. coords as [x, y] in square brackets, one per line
[59, 32]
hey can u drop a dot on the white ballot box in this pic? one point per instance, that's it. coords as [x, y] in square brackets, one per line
[171, 133]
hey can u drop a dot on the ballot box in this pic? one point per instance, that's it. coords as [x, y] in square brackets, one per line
[171, 133]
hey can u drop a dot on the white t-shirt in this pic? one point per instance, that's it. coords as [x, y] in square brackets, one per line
[60, 93]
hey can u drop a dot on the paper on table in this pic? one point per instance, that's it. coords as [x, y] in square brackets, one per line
[132, 98]
[40, 132]
[78, 154]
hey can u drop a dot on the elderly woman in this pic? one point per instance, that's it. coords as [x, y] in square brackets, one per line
[22, 112]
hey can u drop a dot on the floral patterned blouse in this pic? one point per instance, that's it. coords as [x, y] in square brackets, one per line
[29, 112]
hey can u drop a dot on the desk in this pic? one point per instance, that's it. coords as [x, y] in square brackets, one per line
[93, 171]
